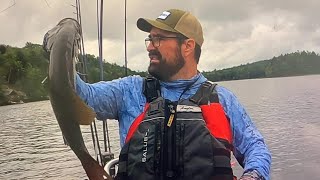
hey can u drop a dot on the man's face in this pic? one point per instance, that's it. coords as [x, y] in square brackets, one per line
[165, 55]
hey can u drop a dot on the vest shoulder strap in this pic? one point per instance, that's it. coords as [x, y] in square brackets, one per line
[206, 94]
[151, 88]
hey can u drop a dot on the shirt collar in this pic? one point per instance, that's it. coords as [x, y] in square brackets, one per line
[183, 83]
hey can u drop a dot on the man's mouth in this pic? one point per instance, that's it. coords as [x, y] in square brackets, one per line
[154, 57]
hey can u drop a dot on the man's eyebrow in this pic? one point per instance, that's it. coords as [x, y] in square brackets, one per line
[156, 35]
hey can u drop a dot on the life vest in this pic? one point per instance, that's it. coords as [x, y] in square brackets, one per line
[185, 139]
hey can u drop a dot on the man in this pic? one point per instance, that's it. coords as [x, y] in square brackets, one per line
[157, 142]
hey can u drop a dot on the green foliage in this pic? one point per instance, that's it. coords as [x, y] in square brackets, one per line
[31, 84]
[3, 98]
[23, 69]
[2, 49]
[110, 71]
[294, 64]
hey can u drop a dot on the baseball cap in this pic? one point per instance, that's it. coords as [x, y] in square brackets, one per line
[175, 20]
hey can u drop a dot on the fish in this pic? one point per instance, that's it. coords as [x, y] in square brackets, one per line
[62, 42]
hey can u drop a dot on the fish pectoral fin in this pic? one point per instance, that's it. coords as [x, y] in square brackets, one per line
[84, 114]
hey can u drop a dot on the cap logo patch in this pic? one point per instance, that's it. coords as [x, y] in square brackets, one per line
[164, 15]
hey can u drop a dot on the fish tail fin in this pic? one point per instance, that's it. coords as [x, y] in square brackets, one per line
[93, 169]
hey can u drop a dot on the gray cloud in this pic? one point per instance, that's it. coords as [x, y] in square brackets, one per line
[236, 32]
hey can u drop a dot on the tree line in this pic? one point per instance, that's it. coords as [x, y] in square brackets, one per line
[23, 71]
[292, 64]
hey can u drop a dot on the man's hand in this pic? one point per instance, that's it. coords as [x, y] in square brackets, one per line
[251, 175]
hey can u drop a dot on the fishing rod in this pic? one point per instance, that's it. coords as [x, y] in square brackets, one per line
[100, 25]
[108, 155]
[125, 38]
[93, 126]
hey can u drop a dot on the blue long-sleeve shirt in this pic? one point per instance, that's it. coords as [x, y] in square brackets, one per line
[123, 99]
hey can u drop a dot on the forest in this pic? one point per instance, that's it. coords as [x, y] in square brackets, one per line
[293, 64]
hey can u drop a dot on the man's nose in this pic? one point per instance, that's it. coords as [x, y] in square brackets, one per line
[150, 47]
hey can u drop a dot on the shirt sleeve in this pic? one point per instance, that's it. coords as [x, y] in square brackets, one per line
[249, 146]
[107, 98]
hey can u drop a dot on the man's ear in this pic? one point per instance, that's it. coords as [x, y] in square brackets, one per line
[189, 48]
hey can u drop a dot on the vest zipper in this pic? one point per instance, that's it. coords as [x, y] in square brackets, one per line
[172, 115]
[170, 140]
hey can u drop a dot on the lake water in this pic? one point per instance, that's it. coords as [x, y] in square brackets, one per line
[285, 110]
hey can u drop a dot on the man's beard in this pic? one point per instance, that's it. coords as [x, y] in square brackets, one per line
[163, 71]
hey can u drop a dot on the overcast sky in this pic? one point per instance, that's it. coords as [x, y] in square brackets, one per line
[235, 31]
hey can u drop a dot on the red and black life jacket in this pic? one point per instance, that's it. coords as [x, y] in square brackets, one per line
[186, 139]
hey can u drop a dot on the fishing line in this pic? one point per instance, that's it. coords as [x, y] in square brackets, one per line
[14, 3]
[47, 3]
